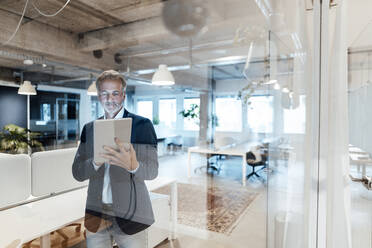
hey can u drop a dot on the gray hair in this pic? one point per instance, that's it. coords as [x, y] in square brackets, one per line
[110, 75]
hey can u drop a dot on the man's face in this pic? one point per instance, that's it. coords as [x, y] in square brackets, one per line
[111, 96]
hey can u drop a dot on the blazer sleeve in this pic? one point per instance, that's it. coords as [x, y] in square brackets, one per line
[82, 167]
[147, 154]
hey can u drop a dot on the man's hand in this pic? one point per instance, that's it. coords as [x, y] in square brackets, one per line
[124, 157]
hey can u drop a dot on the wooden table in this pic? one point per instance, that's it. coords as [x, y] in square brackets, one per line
[38, 219]
[237, 150]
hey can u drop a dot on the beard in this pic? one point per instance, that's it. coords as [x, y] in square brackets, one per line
[112, 107]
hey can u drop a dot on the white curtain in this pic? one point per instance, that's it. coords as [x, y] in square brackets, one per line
[338, 182]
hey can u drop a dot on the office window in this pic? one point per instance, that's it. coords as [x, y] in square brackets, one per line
[96, 109]
[144, 108]
[229, 114]
[46, 112]
[260, 114]
[168, 112]
[190, 124]
[295, 119]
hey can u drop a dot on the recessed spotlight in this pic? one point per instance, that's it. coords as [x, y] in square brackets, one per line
[44, 65]
[28, 62]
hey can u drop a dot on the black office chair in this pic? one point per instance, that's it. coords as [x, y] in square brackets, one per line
[213, 164]
[258, 160]
[175, 144]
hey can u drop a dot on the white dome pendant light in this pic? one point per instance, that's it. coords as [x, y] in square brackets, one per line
[163, 76]
[27, 89]
[92, 89]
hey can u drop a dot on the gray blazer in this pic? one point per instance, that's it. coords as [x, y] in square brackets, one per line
[144, 141]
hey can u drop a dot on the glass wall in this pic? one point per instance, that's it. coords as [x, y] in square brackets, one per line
[292, 139]
[55, 116]
[252, 129]
[358, 99]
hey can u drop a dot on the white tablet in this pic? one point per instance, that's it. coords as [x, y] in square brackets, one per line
[106, 130]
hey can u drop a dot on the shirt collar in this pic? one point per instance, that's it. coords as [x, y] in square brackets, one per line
[118, 115]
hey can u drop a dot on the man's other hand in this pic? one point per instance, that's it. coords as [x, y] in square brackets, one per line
[124, 157]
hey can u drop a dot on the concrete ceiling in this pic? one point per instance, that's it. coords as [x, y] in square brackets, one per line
[134, 31]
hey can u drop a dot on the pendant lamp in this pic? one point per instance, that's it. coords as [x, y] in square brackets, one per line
[27, 89]
[163, 76]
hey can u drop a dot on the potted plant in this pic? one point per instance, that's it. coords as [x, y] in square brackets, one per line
[14, 139]
[191, 113]
[155, 120]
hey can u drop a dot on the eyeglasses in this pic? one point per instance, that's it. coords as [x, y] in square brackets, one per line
[105, 94]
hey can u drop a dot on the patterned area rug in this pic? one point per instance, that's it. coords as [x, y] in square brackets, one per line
[215, 208]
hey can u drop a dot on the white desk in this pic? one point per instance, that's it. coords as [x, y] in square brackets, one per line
[35, 219]
[357, 150]
[359, 157]
[361, 160]
[40, 218]
[238, 150]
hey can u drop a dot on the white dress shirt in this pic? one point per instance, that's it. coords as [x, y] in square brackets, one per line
[106, 191]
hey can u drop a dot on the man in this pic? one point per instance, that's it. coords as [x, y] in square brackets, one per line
[118, 204]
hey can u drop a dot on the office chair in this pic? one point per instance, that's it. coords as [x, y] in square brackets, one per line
[175, 144]
[256, 158]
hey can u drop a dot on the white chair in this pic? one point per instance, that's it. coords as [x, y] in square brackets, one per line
[15, 179]
[52, 172]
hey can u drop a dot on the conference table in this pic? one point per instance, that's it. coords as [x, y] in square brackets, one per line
[239, 150]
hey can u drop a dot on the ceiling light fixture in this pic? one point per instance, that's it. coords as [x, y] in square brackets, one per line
[272, 81]
[185, 18]
[276, 86]
[163, 76]
[285, 90]
[92, 89]
[27, 89]
[28, 62]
